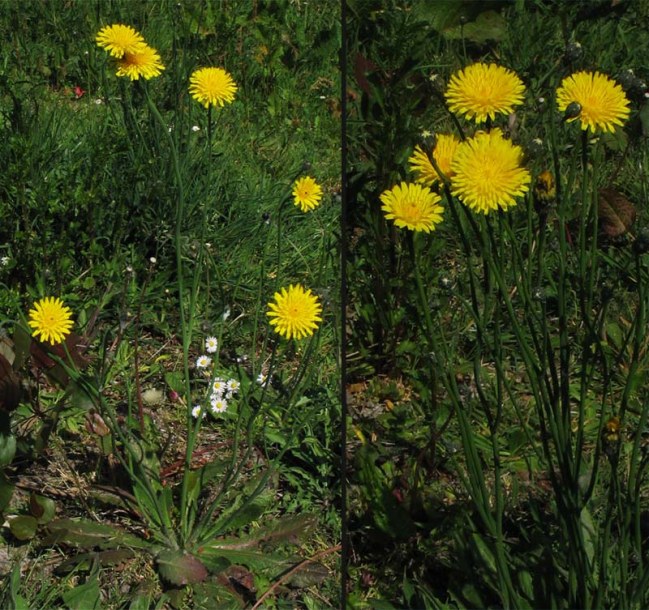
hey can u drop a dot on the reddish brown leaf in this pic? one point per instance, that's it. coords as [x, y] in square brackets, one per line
[9, 386]
[616, 213]
[362, 66]
[95, 424]
[76, 347]
[241, 576]
[178, 568]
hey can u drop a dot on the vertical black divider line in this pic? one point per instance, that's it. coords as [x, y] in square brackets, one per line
[344, 549]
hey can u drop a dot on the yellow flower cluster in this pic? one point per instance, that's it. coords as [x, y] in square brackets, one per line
[208, 86]
[485, 171]
[294, 312]
[134, 56]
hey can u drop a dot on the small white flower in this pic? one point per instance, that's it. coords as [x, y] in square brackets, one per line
[226, 314]
[99, 101]
[202, 362]
[219, 405]
[218, 387]
[211, 344]
[233, 386]
[196, 411]
[153, 260]
[4, 261]
[196, 128]
[262, 379]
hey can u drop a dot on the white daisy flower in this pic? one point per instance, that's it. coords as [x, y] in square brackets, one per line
[203, 362]
[211, 344]
[232, 386]
[219, 405]
[219, 386]
[262, 379]
[196, 411]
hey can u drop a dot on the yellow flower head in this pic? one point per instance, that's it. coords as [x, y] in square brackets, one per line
[144, 62]
[603, 102]
[119, 39]
[445, 147]
[488, 174]
[484, 90]
[412, 206]
[295, 312]
[212, 86]
[51, 320]
[307, 193]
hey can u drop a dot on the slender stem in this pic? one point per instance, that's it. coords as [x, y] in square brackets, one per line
[430, 330]
[185, 325]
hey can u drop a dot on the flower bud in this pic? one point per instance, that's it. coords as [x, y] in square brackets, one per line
[573, 52]
[572, 111]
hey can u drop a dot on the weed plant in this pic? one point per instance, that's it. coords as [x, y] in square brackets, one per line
[166, 228]
[498, 407]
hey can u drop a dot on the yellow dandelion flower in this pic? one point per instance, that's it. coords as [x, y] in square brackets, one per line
[445, 147]
[307, 193]
[51, 320]
[144, 62]
[212, 86]
[603, 102]
[119, 39]
[488, 174]
[412, 206]
[484, 90]
[295, 312]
